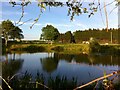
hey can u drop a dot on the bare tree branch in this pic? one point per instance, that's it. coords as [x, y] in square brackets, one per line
[95, 85]
[108, 4]
[100, 12]
[24, 22]
[35, 21]
[98, 79]
[6, 83]
[21, 15]
[1, 87]
[106, 15]
[112, 10]
[14, 76]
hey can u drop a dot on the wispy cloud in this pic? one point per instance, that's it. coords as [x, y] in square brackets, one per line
[57, 25]
[64, 25]
[11, 13]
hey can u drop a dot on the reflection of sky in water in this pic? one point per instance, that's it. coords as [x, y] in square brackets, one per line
[84, 72]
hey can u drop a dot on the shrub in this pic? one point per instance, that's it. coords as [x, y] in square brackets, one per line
[57, 48]
[33, 48]
[94, 46]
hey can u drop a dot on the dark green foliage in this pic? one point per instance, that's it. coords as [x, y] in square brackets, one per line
[94, 46]
[10, 68]
[67, 57]
[101, 35]
[117, 85]
[62, 83]
[84, 35]
[40, 78]
[9, 31]
[61, 38]
[57, 48]
[25, 79]
[49, 33]
[66, 38]
[16, 33]
[33, 48]
[7, 26]
[114, 50]
[49, 64]
[3, 46]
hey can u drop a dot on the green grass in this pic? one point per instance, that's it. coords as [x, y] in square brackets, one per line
[63, 48]
[67, 48]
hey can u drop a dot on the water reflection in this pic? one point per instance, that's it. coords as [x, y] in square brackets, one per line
[11, 66]
[49, 64]
[84, 67]
[80, 58]
[104, 60]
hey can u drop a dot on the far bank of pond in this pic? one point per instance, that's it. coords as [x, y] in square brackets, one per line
[65, 48]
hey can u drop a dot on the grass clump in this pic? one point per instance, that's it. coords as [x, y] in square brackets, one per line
[62, 83]
[33, 48]
[94, 46]
[27, 48]
[57, 48]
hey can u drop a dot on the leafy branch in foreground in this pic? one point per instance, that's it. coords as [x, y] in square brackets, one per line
[75, 8]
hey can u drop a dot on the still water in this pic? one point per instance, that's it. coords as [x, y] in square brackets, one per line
[81, 66]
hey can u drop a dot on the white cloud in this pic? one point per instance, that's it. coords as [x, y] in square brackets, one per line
[57, 25]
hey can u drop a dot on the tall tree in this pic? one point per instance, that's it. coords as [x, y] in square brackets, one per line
[61, 38]
[9, 31]
[50, 33]
[7, 26]
[68, 37]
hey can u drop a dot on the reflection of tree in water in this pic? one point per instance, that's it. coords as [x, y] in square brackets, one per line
[89, 59]
[11, 68]
[67, 57]
[81, 58]
[49, 64]
[104, 60]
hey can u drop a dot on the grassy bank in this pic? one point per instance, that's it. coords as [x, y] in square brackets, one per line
[65, 48]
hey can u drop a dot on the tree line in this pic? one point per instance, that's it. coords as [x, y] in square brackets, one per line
[52, 34]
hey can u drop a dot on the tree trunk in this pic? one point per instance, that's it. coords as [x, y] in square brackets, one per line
[6, 41]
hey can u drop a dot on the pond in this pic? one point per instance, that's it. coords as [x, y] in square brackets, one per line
[81, 66]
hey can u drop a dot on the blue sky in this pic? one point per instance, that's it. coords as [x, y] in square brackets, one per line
[56, 17]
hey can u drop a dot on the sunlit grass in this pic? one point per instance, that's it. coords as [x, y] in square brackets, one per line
[64, 48]
[70, 48]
